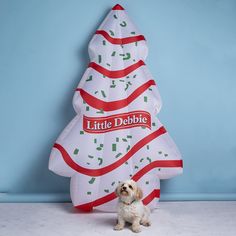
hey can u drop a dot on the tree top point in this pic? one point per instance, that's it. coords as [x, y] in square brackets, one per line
[118, 7]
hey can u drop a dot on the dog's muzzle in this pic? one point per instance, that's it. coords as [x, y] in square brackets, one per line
[123, 189]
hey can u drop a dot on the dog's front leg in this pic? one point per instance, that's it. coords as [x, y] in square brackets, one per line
[145, 219]
[120, 224]
[136, 225]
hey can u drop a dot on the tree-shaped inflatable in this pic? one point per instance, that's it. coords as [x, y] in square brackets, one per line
[115, 135]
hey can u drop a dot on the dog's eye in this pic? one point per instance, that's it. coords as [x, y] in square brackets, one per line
[122, 185]
[130, 187]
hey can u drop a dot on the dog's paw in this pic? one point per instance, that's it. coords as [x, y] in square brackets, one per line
[136, 229]
[146, 223]
[118, 227]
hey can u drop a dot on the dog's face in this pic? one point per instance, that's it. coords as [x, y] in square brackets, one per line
[129, 190]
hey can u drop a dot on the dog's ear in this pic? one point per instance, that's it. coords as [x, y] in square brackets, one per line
[138, 194]
[117, 190]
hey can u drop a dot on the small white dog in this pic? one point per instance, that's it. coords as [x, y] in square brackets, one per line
[130, 206]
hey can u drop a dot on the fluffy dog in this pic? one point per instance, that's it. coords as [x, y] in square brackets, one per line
[130, 207]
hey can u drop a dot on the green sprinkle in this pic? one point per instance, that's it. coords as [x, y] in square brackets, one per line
[95, 140]
[113, 53]
[134, 76]
[153, 124]
[123, 24]
[127, 56]
[159, 169]
[115, 16]
[106, 190]
[127, 149]
[100, 161]
[119, 154]
[126, 163]
[113, 81]
[147, 182]
[104, 42]
[147, 147]
[103, 93]
[121, 80]
[88, 163]
[101, 145]
[99, 148]
[89, 78]
[113, 147]
[129, 136]
[99, 58]
[113, 183]
[124, 139]
[89, 193]
[132, 32]
[166, 155]
[87, 108]
[100, 111]
[90, 156]
[143, 127]
[76, 151]
[81, 132]
[127, 85]
[160, 152]
[141, 159]
[112, 86]
[136, 167]
[84, 102]
[117, 139]
[130, 176]
[91, 181]
[111, 32]
[136, 43]
[96, 92]
[149, 159]
[108, 64]
[103, 76]
[150, 89]
[145, 98]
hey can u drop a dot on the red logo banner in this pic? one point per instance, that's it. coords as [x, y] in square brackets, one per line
[115, 122]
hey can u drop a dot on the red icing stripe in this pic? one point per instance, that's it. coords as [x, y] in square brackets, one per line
[114, 74]
[126, 40]
[118, 7]
[89, 206]
[114, 105]
[98, 172]
[157, 164]
[155, 193]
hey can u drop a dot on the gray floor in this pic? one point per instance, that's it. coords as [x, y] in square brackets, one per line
[172, 218]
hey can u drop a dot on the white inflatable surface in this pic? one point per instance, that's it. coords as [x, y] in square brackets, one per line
[115, 134]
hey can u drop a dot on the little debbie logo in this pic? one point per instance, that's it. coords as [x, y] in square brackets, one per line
[115, 122]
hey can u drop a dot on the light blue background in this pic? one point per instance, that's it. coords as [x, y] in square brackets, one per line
[192, 55]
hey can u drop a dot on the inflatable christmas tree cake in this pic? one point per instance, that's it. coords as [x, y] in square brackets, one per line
[115, 134]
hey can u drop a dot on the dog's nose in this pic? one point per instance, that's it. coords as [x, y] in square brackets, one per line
[124, 188]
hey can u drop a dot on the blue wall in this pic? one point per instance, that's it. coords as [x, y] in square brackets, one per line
[43, 54]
